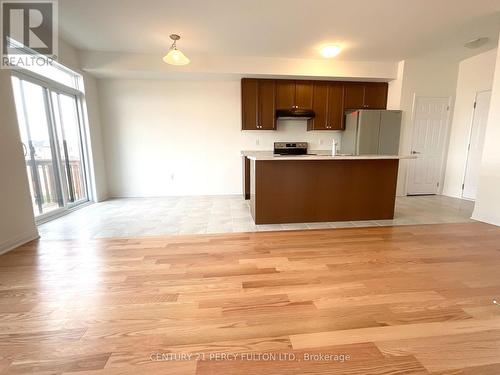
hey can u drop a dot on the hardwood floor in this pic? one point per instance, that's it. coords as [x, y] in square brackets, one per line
[380, 300]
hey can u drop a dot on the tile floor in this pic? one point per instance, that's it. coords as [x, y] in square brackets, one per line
[132, 217]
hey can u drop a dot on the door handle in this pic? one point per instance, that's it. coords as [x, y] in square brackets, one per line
[25, 149]
[415, 152]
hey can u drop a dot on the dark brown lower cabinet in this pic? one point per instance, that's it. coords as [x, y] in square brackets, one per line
[301, 191]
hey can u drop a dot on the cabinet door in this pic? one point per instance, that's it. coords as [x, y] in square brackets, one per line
[320, 107]
[354, 95]
[376, 95]
[249, 107]
[303, 94]
[266, 104]
[285, 94]
[336, 106]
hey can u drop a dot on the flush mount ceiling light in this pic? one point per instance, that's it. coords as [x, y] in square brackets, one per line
[175, 56]
[476, 43]
[330, 51]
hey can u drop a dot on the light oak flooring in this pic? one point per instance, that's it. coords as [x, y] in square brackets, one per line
[224, 214]
[388, 300]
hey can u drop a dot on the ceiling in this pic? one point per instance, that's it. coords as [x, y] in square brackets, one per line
[368, 30]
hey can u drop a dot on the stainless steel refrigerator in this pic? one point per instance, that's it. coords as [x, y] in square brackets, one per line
[371, 132]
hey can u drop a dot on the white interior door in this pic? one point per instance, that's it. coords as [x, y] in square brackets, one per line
[476, 143]
[428, 144]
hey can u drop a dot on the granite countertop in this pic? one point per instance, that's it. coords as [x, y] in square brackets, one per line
[318, 155]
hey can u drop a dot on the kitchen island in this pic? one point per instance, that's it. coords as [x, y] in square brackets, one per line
[321, 187]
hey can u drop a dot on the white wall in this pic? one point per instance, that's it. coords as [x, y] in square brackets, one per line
[190, 129]
[17, 224]
[396, 88]
[98, 165]
[487, 206]
[164, 137]
[424, 76]
[474, 74]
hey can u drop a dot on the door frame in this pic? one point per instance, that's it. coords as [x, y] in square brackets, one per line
[444, 152]
[49, 86]
[469, 137]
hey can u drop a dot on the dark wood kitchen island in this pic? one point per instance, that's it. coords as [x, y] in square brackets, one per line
[315, 188]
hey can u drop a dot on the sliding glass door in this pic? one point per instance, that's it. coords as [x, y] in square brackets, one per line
[70, 147]
[53, 145]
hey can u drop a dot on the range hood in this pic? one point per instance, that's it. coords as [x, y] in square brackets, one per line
[295, 113]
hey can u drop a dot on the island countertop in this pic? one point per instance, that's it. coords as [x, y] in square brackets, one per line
[318, 155]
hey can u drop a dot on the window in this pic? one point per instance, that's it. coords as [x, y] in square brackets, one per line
[51, 70]
[49, 110]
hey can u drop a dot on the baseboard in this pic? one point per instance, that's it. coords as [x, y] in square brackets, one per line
[485, 218]
[17, 241]
[451, 195]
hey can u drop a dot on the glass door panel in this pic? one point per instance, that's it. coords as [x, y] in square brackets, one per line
[70, 146]
[38, 146]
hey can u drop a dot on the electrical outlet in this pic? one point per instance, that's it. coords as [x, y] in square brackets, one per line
[320, 142]
[257, 142]
[172, 176]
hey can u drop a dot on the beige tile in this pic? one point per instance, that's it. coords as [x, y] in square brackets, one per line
[194, 215]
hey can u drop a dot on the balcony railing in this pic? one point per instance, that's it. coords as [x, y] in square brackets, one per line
[43, 172]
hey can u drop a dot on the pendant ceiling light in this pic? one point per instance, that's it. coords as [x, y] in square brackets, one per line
[175, 56]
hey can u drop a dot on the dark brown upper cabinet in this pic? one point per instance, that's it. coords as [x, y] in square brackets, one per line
[258, 107]
[260, 98]
[336, 106]
[376, 95]
[249, 103]
[354, 95]
[285, 94]
[365, 95]
[267, 104]
[303, 94]
[320, 107]
[328, 106]
[294, 94]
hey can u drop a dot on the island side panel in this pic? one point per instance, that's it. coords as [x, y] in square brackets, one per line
[252, 187]
[294, 191]
[246, 177]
